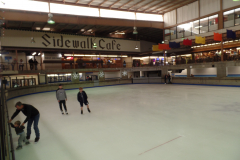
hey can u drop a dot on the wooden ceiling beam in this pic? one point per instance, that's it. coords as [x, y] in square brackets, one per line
[179, 6]
[45, 24]
[19, 26]
[64, 27]
[90, 2]
[77, 1]
[136, 4]
[102, 3]
[154, 5]
[114, 3]
[125, 4]
[75, 27]
[145, 4]
[163, 6]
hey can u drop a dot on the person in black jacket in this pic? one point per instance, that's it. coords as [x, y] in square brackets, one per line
[83, 99]
[19, 131]
[32, 116]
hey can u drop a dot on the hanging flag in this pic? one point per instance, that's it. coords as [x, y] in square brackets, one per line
[231, 34]
[187, 42]
[200, 40]
[217, 37]
[174, 45]
[163, 46]
[155, 48]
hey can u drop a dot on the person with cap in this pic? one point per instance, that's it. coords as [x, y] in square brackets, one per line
[62, 98]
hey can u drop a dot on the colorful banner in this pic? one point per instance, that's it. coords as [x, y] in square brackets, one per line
[231, 34]
[155, 48]
[200, 40]
[217, 37]
[164, 46]
[187, 42]
[174, 45]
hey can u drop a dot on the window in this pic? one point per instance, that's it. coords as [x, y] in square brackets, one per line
[195, 27]
[213, 23]
[204, 25]
[185, 29]
[237, 16]
[180, 31]
[228, 18]
[173, 33]
[167, 34]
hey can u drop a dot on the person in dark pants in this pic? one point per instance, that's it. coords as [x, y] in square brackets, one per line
[169, 78]
[31, 63]
[61, 97]
[165, 78]
[83, 99]
[32, 115]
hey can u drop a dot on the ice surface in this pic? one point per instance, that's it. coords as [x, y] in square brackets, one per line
[128, 120]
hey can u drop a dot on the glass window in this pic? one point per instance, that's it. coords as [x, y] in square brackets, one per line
[180, 32]
[167, 34]
[228, 18]
[187, 29]
[173, 33]
[237, 16]
[195, 27]
[204, 25]
[213, 23]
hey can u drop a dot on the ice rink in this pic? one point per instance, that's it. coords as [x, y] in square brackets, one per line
[137, 122]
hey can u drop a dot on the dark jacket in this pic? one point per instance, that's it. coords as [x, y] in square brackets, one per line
[17, 129]
[82, 99]
[27, 110]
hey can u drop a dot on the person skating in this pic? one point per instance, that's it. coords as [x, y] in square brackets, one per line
[20, 131]
[32, 115]
[61, 97]
[83, 99]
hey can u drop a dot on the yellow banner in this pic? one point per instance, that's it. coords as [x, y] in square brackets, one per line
[200, 40]
[155, 48]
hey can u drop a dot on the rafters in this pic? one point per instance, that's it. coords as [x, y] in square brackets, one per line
[154, 5]
[64, 27]
[125, 4]
[163, 6]
[180, 6]
[77, 1]
[90, 2]
[103, 2]
[114, 3]
[145, 5]
[136, 4]
[175, 4]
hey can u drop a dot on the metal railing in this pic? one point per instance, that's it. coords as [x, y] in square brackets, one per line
[7, 151]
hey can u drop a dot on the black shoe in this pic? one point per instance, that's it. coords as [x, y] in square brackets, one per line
[81, 112]
[66, 112]
[88, 110]
[36, 139]
[19, 147]
[28, 137]
[62, 112]
[27, 143]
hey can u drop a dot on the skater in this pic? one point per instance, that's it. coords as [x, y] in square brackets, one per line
[31, 63]
[169, 78]
[82, 99]
[165, 78]
[32, 115]
[61, 97]
[19, 131]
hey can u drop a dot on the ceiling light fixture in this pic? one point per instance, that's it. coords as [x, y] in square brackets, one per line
[50, 16]
[135, 30]
[136, 47]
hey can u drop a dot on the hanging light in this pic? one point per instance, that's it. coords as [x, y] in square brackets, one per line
[32, 40]
[50, 19]
[136, 47]
[135, 30]
[94, 45]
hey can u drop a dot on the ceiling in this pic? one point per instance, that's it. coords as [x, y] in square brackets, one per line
[144, 6]
[144, 33]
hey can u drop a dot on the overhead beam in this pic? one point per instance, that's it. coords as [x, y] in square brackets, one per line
[74, 27]
[33, 25]
[162, 6]
[145, 5]
[77, 1]
[125, 4]
[178, 6]
[90, 2]
[103, 2]
[136, 4]
[19, 26]
[114, 3]
[155, 5]
[35, 17]
[45, 24]
[64, 27]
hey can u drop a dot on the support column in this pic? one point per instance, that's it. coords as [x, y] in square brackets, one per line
[38, 79]
[17, 59]
[164, 57]
[73, 61]
[46, 79]
[41, 63]
[222, 54]
[220, 16]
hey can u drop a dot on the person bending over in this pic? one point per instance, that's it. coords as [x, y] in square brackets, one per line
[32, 115]
[20, 131]
[83, 99]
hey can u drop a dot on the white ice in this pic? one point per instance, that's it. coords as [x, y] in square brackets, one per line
[137, 122]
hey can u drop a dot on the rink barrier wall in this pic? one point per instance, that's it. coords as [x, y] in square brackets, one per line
[228, 81]
[22, 91]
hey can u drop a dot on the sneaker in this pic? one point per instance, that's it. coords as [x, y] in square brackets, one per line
[88, 110]
[19, 147]
[28, 137]
[36, 139]
[81, 112]
[62, 112]
[66, 112]
[27, 143]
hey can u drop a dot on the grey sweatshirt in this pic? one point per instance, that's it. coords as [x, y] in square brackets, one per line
[61, 94]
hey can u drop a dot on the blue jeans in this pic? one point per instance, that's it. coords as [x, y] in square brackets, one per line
[34, 119]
